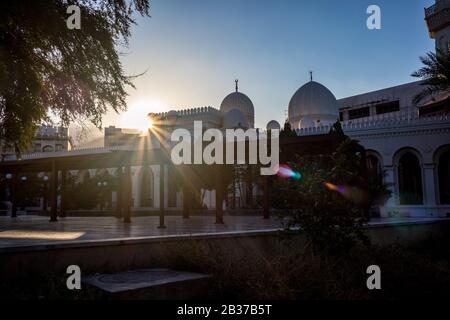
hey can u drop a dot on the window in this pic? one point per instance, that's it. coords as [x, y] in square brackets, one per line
[47, 149]
[410, 180]
[444, 177]
[358, 113]
[386, 107]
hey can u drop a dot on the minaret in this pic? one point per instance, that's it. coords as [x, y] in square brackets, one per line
[437, 18]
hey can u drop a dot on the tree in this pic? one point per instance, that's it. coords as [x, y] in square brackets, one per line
[435, 74]
[329, 199]
[287, 131]
[48, 70]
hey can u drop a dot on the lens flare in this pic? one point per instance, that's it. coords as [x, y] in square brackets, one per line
[333, 187]
[351, 193]
[284, 171]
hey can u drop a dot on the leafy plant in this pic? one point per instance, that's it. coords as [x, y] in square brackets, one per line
[435, 74]
[48, 70]
[329, 200]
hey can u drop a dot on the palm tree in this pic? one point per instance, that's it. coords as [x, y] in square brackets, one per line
[435, 74]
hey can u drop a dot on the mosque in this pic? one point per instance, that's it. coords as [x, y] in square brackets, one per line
[408, 145]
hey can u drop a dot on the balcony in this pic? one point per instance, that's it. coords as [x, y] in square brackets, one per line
[437, 16]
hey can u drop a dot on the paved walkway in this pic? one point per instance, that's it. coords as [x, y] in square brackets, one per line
[37, 230]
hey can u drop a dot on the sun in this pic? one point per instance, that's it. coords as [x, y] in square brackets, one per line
[136, 115]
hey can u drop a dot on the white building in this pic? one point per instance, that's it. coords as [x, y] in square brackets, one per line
[408, 145]
[46, 139]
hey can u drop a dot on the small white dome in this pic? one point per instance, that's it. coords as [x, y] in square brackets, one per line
[238, 100]
[313, 100]
[273, 125]
[306, 122]
[172, 113]
[234, 119]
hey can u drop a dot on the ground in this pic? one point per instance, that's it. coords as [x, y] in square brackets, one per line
[37, 230]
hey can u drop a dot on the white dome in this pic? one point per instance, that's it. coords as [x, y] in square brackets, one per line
[273, 125]
[234, 119]
[306, 122]
[238, 100]
[172, 113]
[313, 100]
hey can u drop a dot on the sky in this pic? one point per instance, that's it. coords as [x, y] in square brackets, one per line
[193, 50]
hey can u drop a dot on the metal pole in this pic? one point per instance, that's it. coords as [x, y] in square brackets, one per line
[63, 193]
[161, 197]
[14, 195]
[54, 193]
[127, 192]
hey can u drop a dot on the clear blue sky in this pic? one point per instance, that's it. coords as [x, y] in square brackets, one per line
[194, 49]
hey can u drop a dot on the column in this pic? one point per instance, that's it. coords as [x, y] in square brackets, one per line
[429, 184]
[127, 195]
[119, 193]
[14, 194]
[186, 200]
[390, 181]
[62, 212]
[219, 196]
[54, 193]
[266, 212]
[161, 197]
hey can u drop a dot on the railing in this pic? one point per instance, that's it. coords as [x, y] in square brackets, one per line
[437, 16]
[73, 152]
[400, 119]
[430, 10]
[187, 112]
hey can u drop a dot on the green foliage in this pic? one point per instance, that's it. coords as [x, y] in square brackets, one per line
[377, 190]
[82, 195]
[330, 219]
[287, 131]
[435, 74]
[47, 69]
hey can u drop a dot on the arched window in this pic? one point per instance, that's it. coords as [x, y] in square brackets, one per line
[147, 187]
[444, 177]
[410, 179]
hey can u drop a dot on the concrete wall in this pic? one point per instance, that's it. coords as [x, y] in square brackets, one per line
[116, 255]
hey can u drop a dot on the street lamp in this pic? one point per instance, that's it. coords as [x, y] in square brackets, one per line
[102, 185]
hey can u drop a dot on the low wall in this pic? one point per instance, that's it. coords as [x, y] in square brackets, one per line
[115, 255]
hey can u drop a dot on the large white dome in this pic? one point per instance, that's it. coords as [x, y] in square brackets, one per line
[238, 100]
[306, 122]
[315, 101]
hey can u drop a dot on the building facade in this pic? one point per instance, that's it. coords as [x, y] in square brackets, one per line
[46, 139]
[408, 145]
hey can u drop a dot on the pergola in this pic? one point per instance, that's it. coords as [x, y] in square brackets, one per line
[123, 159]
[120, 158]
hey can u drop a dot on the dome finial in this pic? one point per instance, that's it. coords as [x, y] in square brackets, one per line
[236, 81]
[311, 75]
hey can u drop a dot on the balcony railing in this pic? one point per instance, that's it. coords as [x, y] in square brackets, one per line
[430, 11]
[437, 16]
